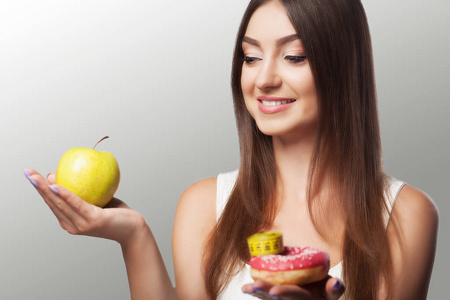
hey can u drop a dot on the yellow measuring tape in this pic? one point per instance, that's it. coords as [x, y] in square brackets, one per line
[264, 243]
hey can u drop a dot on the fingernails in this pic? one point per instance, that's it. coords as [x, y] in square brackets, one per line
[338, 285]
[274, 296]
[252, 292]
[53, 189]
[28, 176]
[33, 182]
[258, 290]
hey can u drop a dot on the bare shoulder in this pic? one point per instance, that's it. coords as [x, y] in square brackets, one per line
[413, 203]
[417, 215]
[203, 187]
[196, 209]
[199, 199]
[413, 251]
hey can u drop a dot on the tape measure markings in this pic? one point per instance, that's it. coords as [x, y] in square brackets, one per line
[264, 243]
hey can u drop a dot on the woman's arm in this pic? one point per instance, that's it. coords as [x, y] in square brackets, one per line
[195, 218]
[147, 275]
[413, 255]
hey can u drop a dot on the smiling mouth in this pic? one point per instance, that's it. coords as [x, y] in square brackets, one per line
[275, 103]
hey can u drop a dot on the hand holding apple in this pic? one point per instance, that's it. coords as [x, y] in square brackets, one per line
[116, 222]
[92, 175]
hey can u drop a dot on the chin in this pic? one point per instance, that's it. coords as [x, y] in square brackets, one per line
[276, 130]
[288, 130]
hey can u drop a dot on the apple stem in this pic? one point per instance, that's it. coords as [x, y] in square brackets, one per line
[104, 138]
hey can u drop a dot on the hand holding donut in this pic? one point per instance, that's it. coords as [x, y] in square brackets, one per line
[328, 288]
[289, 272]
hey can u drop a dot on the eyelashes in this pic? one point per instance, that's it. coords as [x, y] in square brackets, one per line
[295, 58]
[250, 59]
[291, 58]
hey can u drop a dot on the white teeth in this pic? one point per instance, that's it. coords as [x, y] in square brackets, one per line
[275, 103]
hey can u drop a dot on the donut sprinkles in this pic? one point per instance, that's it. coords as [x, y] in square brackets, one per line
[295, 265]
[291, 258]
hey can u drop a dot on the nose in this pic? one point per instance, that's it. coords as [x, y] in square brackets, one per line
[268, 76]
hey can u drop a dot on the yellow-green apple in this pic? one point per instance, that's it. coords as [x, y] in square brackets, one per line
[92, 175]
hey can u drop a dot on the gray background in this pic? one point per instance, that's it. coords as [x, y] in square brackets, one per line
[154, 75]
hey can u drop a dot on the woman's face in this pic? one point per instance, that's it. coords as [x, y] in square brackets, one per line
[277, 81]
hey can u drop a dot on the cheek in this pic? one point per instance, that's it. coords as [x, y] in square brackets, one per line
[303, 85]
[246, 81]
[310, 96]
[310, 87]
[247, 86]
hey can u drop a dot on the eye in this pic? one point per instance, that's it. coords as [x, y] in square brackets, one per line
[250, 59]
[295, 58]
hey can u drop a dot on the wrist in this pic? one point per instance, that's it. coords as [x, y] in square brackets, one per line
[140, 232]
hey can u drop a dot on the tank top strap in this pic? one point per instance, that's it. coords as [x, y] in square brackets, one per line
[394, 186]
[225, 185]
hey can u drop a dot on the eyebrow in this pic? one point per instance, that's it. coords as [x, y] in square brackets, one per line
[279, 42]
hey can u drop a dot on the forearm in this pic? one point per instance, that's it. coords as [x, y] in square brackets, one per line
[147, 274]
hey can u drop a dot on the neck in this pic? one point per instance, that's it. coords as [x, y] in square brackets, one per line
[293, 158]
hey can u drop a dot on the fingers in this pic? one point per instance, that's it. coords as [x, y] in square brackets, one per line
[334, 288]
[258, 289]
[247, 288]
[264, 290]
[84, 216]
[41, 186]
[72, 212]
[262, 285]
[329, 288]
[289, 291]
[51, 178]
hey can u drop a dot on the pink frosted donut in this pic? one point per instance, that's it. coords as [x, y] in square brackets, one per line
[295, 265]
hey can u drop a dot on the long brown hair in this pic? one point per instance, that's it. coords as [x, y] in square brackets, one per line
[347, 154]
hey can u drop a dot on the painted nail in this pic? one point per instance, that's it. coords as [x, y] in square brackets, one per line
[53, 189]
[28, 176]
[337, 286]
[26, 173]
[274, 296]
[252, 292]
[258, 290]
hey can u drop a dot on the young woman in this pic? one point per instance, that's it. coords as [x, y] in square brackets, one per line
[305, 104]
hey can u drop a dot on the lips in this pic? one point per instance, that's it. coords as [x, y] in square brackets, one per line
[270, 105]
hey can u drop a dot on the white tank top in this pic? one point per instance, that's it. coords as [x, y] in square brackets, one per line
[225, 184]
